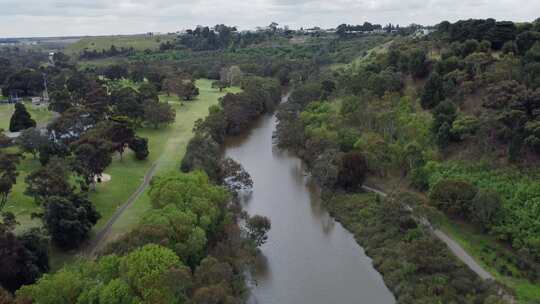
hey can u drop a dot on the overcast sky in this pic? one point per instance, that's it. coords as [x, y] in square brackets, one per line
[24, 18]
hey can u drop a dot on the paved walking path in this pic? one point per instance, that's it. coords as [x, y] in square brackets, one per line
[97, 240]
[458, 251]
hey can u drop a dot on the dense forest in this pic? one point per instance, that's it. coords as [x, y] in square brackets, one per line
[447, 121]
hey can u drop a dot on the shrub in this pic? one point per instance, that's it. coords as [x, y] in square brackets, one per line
[453, 197]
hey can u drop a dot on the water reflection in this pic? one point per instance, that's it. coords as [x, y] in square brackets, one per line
[309, 257]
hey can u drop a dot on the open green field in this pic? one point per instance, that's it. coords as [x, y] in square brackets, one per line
[40, 113]
[138, 42]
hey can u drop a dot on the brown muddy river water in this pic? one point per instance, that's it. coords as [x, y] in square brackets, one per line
[309, 258]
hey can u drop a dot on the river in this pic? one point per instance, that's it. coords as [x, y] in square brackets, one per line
[309, 258]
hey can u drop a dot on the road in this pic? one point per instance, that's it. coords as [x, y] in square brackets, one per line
[97, 241]
[458, 251]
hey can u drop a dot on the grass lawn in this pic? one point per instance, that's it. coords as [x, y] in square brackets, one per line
[476, 245]
[39, 113]
[167, 148]
[18, 203]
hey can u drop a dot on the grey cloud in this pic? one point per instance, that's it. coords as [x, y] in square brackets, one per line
[75, 17]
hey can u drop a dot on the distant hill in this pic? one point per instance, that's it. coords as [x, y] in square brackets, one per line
[138, 42]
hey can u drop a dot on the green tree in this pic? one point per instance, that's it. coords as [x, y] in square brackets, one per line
[464, 126]
[92, 157]
[202, 153]
[148, 93]
[257, 229]
[30, 140]
[443, 136]
[214, 124]
[21, 119]
[117, 292]
[60, 100]
[444, 116]
[64, 286]
[486, 208]
[352, 171]
[418, 63]
[49, 180]
[151, 270]
[8, 175]
[116, 72]
[139, 145]
[127, 103]
[23, 258]
[433, 92]
[159, 113]
[69, 220]
[453, 197]
[183, 233]
[190, 192]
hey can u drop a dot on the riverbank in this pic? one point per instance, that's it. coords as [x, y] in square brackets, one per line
[309, 257]
[415, 265]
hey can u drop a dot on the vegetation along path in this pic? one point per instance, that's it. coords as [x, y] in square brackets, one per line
[458, 251]
[167, 148]
[97, 241]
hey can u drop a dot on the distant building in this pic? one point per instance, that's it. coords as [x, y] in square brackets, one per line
[422, 32]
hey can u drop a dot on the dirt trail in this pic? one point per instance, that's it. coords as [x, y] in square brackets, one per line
[97, 241]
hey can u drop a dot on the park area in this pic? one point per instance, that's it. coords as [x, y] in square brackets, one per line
[167, 146]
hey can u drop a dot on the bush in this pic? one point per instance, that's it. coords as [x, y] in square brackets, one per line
[486, 208]
[352, 171]
[139, 145]
[454, 197]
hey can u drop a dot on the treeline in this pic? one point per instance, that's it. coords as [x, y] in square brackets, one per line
[221, 37]
[375, 113]
[190, 247]
[366, 27]
[496, 32]
[234, 114]
[97, 119]
[113, 51]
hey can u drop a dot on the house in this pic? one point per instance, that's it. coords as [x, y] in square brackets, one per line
[51, 57]
[423, 32]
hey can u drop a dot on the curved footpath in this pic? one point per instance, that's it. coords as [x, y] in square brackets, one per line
[458, 251]
[96, 242]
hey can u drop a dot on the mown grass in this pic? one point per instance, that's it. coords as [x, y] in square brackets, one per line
[167, 148]
[39, 113]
